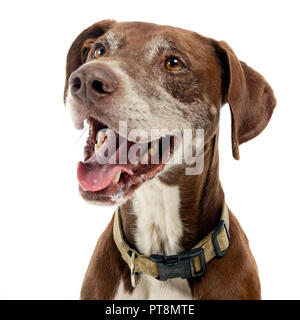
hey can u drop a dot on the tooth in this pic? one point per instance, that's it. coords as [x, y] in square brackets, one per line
[117, 177]
[154, 149]
[154, 152]
[144, 158]
[100, 137]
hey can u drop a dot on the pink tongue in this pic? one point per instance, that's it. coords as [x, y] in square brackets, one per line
[95, 177]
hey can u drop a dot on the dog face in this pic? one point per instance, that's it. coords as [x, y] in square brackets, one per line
[153, 77]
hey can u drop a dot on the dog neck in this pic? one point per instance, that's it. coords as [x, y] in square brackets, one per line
[175, 211]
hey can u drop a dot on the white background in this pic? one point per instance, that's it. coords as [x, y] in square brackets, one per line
[47, 232]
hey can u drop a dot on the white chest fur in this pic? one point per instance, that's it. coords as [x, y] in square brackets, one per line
[158, 230]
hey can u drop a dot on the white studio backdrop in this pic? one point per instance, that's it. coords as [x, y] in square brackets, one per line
[47, 232]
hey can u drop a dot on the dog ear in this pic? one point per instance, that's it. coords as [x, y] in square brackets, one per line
[79, 49]
[250, 97]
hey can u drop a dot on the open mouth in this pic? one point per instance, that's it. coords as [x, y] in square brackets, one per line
[114, 166]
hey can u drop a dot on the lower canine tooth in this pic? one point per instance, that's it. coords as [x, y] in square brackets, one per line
[117, 177]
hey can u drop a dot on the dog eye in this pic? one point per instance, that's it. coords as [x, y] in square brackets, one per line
[174, 64]
[100, 52]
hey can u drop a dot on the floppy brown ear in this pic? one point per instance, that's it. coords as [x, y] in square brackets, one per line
[80, 47]
[250, 97]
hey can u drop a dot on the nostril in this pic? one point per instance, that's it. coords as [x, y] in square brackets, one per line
[76, 84]
[98, 86]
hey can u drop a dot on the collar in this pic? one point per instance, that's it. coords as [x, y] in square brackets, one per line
[186, 264]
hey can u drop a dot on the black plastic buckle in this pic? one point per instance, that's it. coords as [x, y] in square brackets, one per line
[215, 241]
[180, 265]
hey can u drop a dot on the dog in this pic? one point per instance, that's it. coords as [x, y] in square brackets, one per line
[172, 235]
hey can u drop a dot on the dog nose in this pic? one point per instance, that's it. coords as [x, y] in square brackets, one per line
[92, 82]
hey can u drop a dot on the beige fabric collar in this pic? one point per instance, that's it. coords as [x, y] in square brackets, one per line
[186, 264]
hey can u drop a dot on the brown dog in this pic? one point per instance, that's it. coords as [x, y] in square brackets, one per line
[160, 77]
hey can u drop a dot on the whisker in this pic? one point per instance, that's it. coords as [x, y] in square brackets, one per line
[81, 135]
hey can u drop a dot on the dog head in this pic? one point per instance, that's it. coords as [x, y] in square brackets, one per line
[158, 81]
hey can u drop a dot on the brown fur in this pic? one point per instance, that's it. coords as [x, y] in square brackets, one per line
[214, 74]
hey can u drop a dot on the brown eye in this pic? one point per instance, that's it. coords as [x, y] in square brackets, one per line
[174, 64]
[100, 52]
